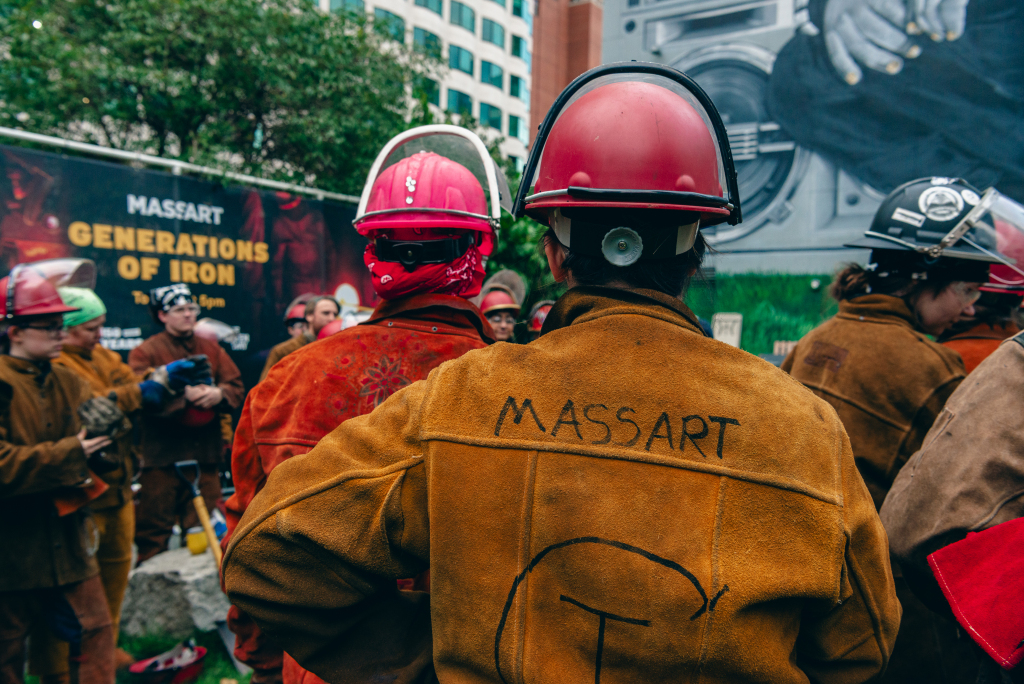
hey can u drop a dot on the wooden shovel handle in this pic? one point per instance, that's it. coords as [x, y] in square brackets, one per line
[204, 520]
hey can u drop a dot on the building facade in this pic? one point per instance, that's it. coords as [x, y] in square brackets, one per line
[487, 46]
[567, 42]
[798, 208]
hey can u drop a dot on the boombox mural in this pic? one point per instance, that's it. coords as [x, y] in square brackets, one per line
[245, 253]
[830, 104]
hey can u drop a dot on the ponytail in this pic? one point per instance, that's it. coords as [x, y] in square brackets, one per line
[850, 282]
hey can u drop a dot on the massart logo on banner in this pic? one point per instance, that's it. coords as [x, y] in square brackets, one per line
[244, 253]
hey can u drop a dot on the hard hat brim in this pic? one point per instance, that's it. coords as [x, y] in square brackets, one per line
[957, 251]
[709, 216]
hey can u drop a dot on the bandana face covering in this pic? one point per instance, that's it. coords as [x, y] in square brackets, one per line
[462, 277]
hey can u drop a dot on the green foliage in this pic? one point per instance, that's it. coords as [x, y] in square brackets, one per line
[275, 88]
[775, 306]
[216, 666]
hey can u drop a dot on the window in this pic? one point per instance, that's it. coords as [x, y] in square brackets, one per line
[463, 16]
[500, 2]
[519, 49]
[432, 5]
[461, 59]
[521, 8]
[493, 32]
[518, 162]
[459, 102]
[390, 23]
[424, 88]
[492, 74]
[517, 128]
[490, 116]
[426, 42]
[517, 87]
[346, 5]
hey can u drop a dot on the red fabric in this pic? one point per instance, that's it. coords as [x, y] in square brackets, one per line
[982, 577]
[462, 277]
[313, 390]
[975, 345]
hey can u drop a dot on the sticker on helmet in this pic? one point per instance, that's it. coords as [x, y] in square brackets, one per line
[939, 180]
[970, 197]
[940, 203]
[907, 216]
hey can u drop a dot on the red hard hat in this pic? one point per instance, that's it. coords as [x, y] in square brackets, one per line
[1003, 278]
[337, 325]
[499, 299]
[538, 316]
[425, 179]
[296, 313]
[31, 294]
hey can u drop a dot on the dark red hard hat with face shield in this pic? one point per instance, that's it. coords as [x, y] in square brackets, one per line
[631, 160]
[26, 292]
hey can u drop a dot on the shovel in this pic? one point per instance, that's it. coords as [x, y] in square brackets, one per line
[182, 467]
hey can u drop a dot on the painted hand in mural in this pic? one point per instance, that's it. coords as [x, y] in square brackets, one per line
[877, 33]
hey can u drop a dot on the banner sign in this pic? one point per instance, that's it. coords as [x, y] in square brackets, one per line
[244, 253]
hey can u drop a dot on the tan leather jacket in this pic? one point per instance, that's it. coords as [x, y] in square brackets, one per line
[968, 475]
[105, 372]
[40, 456]
[622, 494]
[885, 378]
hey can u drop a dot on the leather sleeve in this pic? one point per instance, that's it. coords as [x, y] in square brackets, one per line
[320, 580]
[39, 467]
[229, 379]
[853, 640]
[968, 475]
[139, 359]
[125, 384]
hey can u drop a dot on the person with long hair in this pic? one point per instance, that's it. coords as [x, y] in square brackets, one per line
[876, 363]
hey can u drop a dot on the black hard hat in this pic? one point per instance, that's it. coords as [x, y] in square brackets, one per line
[926, 216]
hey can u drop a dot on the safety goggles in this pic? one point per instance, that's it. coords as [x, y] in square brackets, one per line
[53, 330]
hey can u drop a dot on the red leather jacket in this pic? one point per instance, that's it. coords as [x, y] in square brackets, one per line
[313, 390]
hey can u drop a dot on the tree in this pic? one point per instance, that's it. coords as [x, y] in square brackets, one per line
[274, 88]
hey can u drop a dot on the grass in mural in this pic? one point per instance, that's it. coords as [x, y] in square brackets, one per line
[775, 306]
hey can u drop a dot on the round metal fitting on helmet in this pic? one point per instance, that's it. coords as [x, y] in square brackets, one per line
[27, 292]
[622, 246]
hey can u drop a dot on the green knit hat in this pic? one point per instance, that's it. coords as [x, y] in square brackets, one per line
[89, 305]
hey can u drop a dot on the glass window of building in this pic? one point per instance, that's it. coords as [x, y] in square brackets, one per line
[461, 59]
[521, 9]
[390, 23]
[427, 90]
[490, 116]
[500, 2]
[517, 88]
[463, 15]
[491, 74]
[432, 5]
[459, 102]
[517, 128]
[426, 42]
[493, 32]
[346, 5]
[519, 49]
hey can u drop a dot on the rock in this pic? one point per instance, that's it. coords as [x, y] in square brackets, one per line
[174, 593]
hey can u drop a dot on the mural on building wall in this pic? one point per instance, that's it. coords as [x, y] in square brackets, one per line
[892, 90]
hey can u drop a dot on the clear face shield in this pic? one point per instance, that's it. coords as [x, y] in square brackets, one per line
[68, 272]
[993, 213]
[681, 157]
[410, 194]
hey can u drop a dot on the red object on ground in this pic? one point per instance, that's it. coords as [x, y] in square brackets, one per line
[982, 577]
[181, 665]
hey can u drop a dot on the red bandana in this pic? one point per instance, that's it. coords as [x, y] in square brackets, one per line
[462, 277]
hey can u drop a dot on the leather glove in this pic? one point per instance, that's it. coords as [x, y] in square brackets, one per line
[101, 416]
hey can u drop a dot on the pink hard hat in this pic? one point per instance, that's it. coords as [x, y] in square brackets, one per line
[335, 326]
[428, 180]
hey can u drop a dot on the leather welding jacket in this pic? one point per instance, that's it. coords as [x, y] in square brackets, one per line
[975, 345]
[41, 456]
[622, 494]
[885, 378]
[105, 372]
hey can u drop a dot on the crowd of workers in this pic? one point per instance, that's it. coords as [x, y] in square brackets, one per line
[617, 495]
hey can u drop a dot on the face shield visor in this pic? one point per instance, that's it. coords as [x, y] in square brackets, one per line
[433, 178]
[68, 272]
[632, 136]
[998, 215]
